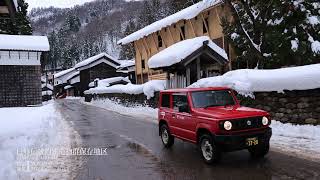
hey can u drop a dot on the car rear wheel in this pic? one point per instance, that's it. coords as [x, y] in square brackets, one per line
[166, 137]
[209, 151]
[259, 151]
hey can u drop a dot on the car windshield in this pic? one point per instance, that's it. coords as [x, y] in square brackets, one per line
[204, 99]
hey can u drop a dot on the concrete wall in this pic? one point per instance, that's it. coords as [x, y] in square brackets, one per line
[20, 86]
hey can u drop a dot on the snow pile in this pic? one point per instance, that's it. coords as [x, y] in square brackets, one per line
[296, 138]
[185, 14]
[108, 81]
[134, 110]
[32, 127]
[24, 42]
[148, 88]
[90, 60]
[179, 51]
[247, 81]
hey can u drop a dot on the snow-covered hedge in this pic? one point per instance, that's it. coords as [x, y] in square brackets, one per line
[148, 88]
[247, 81]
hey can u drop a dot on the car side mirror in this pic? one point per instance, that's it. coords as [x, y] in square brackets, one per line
[184, 108]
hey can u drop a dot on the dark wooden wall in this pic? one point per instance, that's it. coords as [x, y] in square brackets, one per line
[20, 86]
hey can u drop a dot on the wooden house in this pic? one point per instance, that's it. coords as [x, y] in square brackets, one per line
[199, 20]
[8, 8]
[20, 69]
[101, 66]
[61, 78]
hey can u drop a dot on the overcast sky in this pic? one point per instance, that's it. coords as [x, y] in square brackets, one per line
[55, 3]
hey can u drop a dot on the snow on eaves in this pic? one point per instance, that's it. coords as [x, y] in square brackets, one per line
[108, 81]
[90, 60]
[185, 14]
[62, 73]
[126, 63]
[24, 43]
[247, 81]
[179, 51]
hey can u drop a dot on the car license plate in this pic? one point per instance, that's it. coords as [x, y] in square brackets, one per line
[252, 141]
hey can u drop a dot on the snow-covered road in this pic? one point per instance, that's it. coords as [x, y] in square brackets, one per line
[302, 140]
[34, 128]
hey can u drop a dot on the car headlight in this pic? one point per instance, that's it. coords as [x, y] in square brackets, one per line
[265, 121]
[227, 125]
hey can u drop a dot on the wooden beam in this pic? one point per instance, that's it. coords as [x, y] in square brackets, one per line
[155, 42]
[171, 35]
[191, 24]
[163, 42]
[181, 33]
[145, 45]
[198, 68]
[205, 24]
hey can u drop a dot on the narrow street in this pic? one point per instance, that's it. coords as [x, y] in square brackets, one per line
[135, 152]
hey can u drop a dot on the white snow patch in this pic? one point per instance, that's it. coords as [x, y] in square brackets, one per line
[179, 51]
[49, 93]
[185, 14]
[294, 45]
[313, 20]
[24, 42]
[108, 81]
[33, 127]
[234, 36]
[247, 81]
[148, 88]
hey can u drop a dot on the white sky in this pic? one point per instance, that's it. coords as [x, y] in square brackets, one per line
[55, 3]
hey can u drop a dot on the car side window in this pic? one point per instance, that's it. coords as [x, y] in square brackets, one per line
[180, 101]
[165, 100]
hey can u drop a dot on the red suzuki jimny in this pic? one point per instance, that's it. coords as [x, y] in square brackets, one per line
[213, 119]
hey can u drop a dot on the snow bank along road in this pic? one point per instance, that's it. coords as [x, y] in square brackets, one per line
[34, 128]
[135, 152]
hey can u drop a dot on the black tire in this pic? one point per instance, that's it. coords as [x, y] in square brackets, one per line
[166, 137]
[210, 152]
[259, 151]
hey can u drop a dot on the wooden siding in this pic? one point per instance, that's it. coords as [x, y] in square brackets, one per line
[20, 86]
[148, 46]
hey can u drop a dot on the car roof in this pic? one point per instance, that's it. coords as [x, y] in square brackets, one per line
[194, 89]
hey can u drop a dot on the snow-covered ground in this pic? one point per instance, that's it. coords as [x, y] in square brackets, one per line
[34, 128]
[303, 140]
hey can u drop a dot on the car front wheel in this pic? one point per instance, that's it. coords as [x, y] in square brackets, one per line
[209, 151]
[166, 138]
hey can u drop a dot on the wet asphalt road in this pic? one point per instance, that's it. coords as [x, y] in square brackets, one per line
[136, 152]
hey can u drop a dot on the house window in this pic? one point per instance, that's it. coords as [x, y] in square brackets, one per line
[183, 33]
[159, 40]
[205, 25]
[143, 64]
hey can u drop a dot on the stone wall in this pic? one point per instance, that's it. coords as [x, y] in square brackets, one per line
[297, 107]
[20, 86]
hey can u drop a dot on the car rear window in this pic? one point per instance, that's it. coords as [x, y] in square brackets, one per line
[165, 100]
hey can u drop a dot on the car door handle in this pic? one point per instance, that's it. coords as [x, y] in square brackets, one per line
[173, 116]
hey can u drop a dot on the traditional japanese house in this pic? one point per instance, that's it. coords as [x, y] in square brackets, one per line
[198, 24]
[127, 67]
[61, 80]
[8, 8]
[101, 66]
[20, 69]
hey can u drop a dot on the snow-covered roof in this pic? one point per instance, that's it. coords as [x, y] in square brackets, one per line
[126, 63]
[24, 43]
[48, 93]
[185, 14]
[247, 81]
[68, 87]
[62, 73]
[108, 81]
[179, 51]
[114, 62]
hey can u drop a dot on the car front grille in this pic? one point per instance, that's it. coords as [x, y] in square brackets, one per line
[244, 123]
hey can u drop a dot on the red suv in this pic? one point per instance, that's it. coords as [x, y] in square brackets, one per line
[213, 119]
